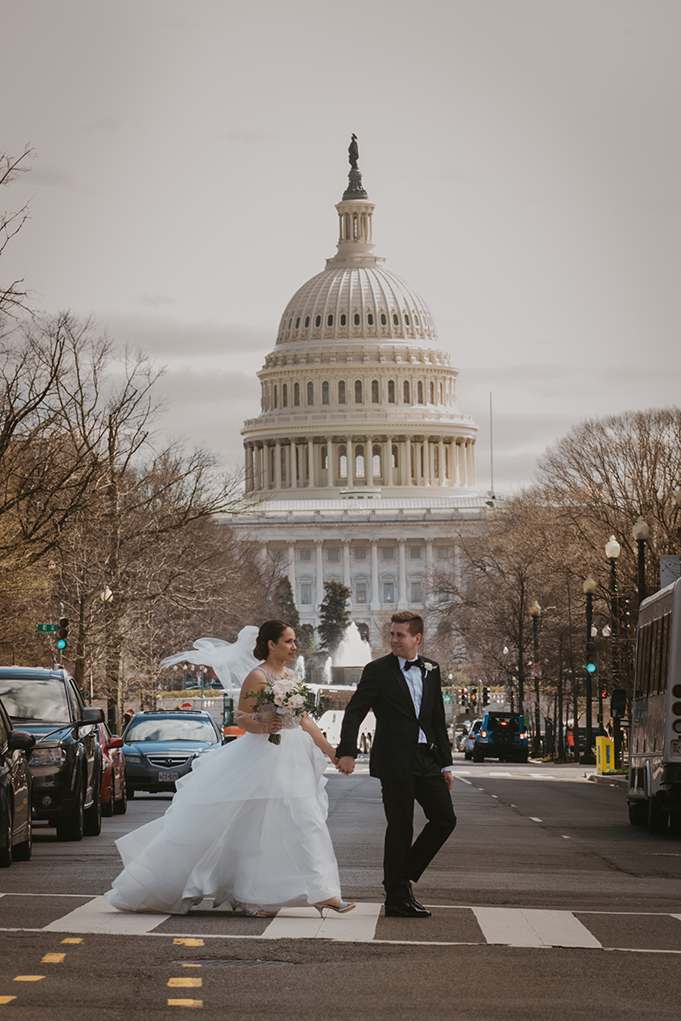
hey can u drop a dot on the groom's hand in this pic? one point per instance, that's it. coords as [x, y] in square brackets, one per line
[346, 764]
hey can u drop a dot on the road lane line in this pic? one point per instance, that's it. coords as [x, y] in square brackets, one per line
[7, 999]
[495, 773]
[72, 939]
[100, 917]
[533, 818]
[185, 983]
[294, 923]
[187, 942]
[358, 926]
[53, 958]
[185, 1003]
[518, 927]
[29, 978]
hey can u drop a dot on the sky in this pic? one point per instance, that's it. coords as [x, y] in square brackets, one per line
[524, 157]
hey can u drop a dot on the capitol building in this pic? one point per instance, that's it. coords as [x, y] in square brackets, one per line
[360, 465]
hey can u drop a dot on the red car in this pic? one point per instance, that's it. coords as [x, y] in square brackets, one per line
[114, 790]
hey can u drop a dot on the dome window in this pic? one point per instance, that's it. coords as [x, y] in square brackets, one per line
[329, 321]
[297, 322]
[394, 456]
[358, 391]
[342, 462]
[384, 319]
[416, 319]
[341, 391]
[405, 391]
[375, 397]
[419, 392]
[370, 319]
[276, 395]
[296, 394]
[325, 392]
[310, 394]
[284, 396]
[376, 461]
[359, 461]
[289, 323]
[391, 391]
[356, 319]
[431, 388]
[318, 321]
[307, 321]
[344, 319]
[406, 319]
[395, 319]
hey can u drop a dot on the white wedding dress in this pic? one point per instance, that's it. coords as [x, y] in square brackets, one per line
[247, 826]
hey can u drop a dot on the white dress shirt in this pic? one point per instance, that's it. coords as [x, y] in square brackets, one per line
[414, 679]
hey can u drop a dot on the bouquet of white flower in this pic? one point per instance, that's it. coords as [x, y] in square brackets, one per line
[288, 695]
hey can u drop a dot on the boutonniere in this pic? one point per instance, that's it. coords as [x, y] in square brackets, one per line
[428, 666]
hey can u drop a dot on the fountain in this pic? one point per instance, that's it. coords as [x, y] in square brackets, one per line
[348, 661]
[300, 668]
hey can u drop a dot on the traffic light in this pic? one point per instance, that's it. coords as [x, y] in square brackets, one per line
[591, 658]
[63, 632]
[464, 697]
[485, 696]
[474, 698]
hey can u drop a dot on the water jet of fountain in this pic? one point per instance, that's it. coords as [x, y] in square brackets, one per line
[353, 650]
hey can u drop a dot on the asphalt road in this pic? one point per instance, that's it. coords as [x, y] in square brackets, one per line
[546, 904]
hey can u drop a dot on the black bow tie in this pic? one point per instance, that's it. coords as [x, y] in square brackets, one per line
[410, 663]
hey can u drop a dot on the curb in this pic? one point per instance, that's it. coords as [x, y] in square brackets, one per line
[611, 779]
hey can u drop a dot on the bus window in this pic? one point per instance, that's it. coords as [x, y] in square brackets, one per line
[654, 657]
[664, 657]
[644, 679]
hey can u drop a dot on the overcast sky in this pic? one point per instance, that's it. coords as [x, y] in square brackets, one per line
[524, 157]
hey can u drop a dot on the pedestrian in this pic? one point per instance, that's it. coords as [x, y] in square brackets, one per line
[570, 741]
[127, 716]
[410, 755]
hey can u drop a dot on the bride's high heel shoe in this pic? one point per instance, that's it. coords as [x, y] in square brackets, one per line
[251, 910]
[341, 908]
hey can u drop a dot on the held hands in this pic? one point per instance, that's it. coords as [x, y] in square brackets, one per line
[346, 765]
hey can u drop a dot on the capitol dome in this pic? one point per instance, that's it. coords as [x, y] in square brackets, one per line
[358, 399]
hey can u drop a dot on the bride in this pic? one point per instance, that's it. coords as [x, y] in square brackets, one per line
[248, 824]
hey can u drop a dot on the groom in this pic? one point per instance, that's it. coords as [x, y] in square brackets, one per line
[410, 755]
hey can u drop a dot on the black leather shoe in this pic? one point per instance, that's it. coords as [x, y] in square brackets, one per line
[406, 909]
[412, 899]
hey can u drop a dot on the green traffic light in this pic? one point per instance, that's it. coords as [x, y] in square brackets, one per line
[591, 668]
[61, 643]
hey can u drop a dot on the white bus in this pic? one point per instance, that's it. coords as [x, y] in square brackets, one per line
[654, 793]
[333, 699]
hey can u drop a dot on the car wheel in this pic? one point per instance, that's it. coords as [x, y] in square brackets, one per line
[478, 756]
[657, 819]
[638, 813]
[109, 807]
[92, 823]
[121, 806]
[24, 850]
[6, 852]
[130, 792]
[72, 828]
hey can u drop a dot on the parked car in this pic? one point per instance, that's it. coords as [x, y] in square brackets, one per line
[460, 739]
[469, 740]
[114, 788]
[66, 762]
[160, 746]
[16, 826]
[501, 736]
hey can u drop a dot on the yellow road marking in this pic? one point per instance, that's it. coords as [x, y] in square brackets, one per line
[185, 942]
[185, 1003]
[72, 939]
[28, 978]
[192, 966]
[185, 983]
[7, 999]
[53, 958]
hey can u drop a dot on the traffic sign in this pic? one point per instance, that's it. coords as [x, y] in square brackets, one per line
[48, 627]
[535, 670]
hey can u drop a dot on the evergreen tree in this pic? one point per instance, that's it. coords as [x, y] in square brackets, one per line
[334, 614]
[285, 603]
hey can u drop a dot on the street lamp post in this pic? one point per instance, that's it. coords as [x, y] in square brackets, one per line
[612, 551]
[506, 688]
[535, 613]
[641, 531]
[588, 588]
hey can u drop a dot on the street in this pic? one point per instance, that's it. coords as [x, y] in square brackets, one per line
[546, 904]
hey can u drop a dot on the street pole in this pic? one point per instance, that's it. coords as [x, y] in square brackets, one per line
[60, 613]
[641, 532]
[588, 758]
[535, 613]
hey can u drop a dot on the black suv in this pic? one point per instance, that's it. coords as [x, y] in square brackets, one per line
[16, 830]
[66, 762]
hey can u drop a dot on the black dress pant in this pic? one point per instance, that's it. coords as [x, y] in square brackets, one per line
[403, 861]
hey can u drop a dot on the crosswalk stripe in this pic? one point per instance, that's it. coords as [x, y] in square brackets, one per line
[520, 927]
[100, 916]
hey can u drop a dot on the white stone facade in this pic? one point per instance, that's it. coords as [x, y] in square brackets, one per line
[360, 455]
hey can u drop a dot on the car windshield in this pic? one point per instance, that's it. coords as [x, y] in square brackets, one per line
[42, 698]
[170, 729]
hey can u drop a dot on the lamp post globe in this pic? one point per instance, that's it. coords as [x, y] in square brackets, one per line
[641, 533]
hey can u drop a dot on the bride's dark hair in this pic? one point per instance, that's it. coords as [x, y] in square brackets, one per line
[271, 631]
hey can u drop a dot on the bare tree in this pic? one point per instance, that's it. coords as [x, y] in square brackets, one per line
[13, 299]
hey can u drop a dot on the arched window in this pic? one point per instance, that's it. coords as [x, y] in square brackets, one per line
[329, 321]
[342, 462]
[325, 392]
[405, 391]
[318, 321]
[376, 461]
[406, 319]
[384, 319]
[394, 456]
[310, 393]
[396, 319]
[276, 395]
[289, 323]
[284, 396]
[375, 397]
[391, 391]
[356, 319]
[344, 319]
[359, 461]
[341, 391]
[296, 394]
[416, 319]
[419, 392]
[431, 389]
[358, 391]
[297, 322]
[370, 319]
[307, 321]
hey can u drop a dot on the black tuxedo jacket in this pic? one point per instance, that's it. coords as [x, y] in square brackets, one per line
[384, 690]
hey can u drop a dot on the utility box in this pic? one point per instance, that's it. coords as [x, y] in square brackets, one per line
[605, 755]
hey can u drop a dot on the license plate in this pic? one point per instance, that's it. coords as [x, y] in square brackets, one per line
[676, 748]
[168, 777]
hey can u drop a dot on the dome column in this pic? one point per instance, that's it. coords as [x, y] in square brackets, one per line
[249, 467]
[406, 476]
[388, 470]
[456, 474]
[441, 463]
[350, 457]
[369, 462]
[471, 464]
[426, 461]
[331, 462]
[277, 464]
[310, 463]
